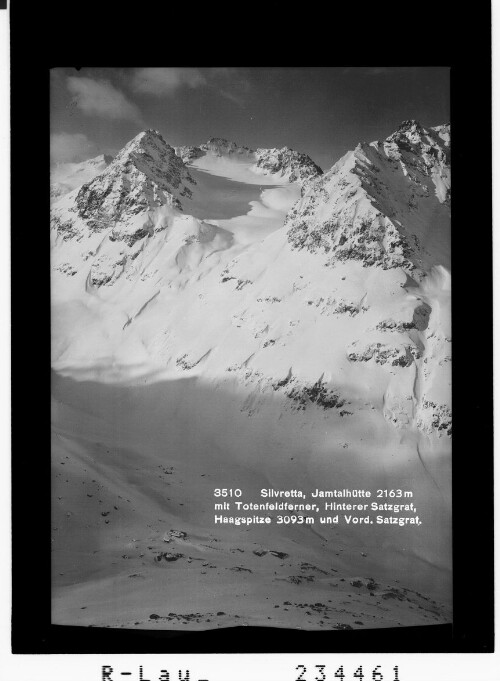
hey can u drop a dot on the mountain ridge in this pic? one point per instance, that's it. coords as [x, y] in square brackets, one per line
[369, 205]
[294, 166]
[362, 254]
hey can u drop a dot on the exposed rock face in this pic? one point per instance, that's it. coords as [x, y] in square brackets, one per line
[221, 146]
[145, 174]
[379, 202]
[435, 418]
[188, 153]
[293, 165]
[400, 355]
[218, 146]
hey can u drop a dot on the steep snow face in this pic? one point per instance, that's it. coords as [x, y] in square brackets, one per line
[385, 204]
[65, 177]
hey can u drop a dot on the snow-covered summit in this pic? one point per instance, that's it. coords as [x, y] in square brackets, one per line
[144, 176]
[385, 203]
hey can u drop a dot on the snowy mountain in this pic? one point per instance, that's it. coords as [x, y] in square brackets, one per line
[120, 202]
[361, 259]
[287, 163]
[385, 203]
[144, 175]
[284, 163]
[259, 320]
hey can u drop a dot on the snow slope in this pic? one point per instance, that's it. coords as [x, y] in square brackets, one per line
[239, 329]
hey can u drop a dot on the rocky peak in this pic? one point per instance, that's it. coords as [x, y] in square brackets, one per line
[294, 165]
[146, 138]
[144, 175]
[422, 152]
[148, 151]
[410, 125]
[188, 153]
[219, 145]
[377, 204]
[412, 137]
[408, 133]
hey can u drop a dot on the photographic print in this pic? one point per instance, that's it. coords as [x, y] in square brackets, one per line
[251, 347]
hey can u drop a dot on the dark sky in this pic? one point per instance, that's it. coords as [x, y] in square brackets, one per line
[322, 111]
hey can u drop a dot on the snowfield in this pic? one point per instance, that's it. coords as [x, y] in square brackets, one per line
[229, 318]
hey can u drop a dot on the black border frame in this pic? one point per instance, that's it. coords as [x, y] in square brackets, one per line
[463, 42]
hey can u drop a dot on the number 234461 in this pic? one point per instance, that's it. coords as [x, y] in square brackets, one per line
[320, 673]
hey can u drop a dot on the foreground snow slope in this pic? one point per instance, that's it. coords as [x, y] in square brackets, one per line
[304, 337]
[134, 465]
